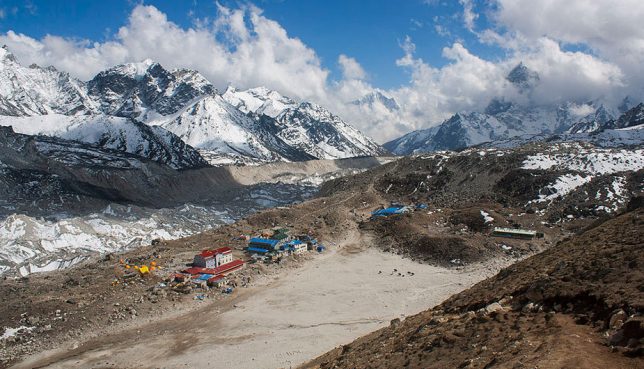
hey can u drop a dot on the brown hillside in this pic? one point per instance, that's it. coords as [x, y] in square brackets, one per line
[576, 305]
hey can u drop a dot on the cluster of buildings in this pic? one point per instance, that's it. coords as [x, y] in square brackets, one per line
[279, 243]
[210, 267]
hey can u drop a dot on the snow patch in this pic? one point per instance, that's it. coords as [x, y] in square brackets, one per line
[564, 185]
[486, 217]
[11, 332]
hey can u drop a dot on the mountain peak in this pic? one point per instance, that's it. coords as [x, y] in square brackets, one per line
[523, 77]
[497, 106]
[5, 54]
[135, 70]
[258, 100]
[230, 89]
[377, 97]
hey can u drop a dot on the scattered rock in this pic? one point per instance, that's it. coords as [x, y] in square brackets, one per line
[617, 319]
[493, 308]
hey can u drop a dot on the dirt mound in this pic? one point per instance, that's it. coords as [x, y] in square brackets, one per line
[406, 235]
[451, 237]
[578, 304]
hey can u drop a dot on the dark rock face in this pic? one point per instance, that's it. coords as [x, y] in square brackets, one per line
[125, 93]
[631, 118]
[70, 168]
[268, 130]
[497, 106]
[451, 134]
[523, 78]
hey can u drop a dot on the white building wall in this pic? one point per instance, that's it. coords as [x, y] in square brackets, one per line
[224, 258]
[299, 248]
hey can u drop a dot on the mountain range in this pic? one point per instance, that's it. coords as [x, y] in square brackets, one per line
[174, 117]
[504, 120]
[178, 117]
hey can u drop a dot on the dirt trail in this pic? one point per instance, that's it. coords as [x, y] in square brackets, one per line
[331, 300]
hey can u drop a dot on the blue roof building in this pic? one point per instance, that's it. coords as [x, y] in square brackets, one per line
[257, 250]
[263, 243]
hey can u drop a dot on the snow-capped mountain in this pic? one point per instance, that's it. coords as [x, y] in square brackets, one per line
[523, 78]
[306, 129]
[115, 133]
[217, 129]
[504, 120]
[313, 129]
[632, 118]
[259, 100]
[145, 90]
[468, 129]
[45, 101]
[144, 109]
[37, 91]
[592, 122]
[377, 101]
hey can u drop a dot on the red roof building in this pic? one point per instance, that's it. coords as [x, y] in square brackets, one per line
[213, 258]
[220, 270]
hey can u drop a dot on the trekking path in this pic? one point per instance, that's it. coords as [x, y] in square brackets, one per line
[331, 300]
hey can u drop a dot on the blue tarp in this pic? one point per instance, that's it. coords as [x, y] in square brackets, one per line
[386, 212]
[257, 249]
[205, 277]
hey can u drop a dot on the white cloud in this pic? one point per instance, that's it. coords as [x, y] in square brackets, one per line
[225, 50]
[612, 30]
[441, 30]
[570, 76]
[582, 110]
[469, 16]
[351, 69]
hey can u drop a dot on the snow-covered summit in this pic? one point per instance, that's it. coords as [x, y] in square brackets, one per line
[213, 125]
[377, 99]
[34, 90]
[258, 100]
[140, 90]
[523, 78]
[506, 121]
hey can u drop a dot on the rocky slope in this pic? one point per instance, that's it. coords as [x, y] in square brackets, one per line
[543, 187]
[578, 304]
[559, 180]
[467, 194]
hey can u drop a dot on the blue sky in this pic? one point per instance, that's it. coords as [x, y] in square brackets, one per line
[369, 31]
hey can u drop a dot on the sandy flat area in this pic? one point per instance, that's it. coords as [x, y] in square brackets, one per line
[331, 300]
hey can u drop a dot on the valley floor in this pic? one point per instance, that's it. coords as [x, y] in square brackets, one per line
[289, 319]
